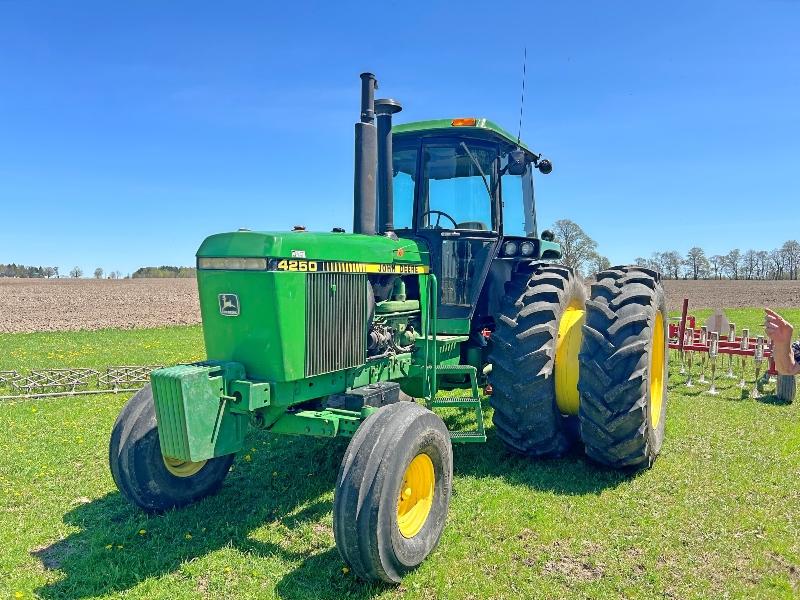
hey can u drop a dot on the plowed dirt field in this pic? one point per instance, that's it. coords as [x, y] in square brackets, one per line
[73, 304]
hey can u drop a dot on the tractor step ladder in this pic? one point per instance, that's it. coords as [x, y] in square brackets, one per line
[432, 368]
[462, 402]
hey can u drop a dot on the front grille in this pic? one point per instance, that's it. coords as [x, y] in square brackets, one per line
[336, 315]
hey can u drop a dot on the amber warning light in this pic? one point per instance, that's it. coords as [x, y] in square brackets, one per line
[463, 122]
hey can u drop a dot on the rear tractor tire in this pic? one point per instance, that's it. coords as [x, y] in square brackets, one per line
[393, 492]
[535, 360]
[623, 368]
[143, 475]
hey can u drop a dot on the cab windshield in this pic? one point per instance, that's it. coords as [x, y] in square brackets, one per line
[458, 185]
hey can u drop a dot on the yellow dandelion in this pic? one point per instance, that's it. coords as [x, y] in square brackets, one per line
[188, 536]
[274, 473]
[109, 546]
[248, 458]
[120, 546]
[345, 570]
[18, 594]
[142, 531]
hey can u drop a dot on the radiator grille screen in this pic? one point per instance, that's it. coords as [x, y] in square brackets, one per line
[336, 315]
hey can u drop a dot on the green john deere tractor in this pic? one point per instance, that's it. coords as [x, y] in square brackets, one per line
[443, 283]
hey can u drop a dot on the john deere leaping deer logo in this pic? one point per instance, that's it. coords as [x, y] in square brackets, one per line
[229, 305]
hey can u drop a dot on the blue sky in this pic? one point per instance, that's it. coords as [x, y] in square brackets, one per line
[130, 131]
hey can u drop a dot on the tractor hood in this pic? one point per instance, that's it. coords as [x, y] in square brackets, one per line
[314, 246]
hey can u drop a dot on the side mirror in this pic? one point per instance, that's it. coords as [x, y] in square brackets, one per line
[545, 166]
[516, 162]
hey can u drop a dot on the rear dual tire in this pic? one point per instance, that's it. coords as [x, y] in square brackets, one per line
[525, 359]
[623, 368]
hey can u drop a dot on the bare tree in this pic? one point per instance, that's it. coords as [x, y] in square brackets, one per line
[762, 264]
[76, 272]
[671, 262]
[696, 262]
[577, 247]
[114, 275]
[649, 263]
[49, 272]
[732, 263]
[776, 258]
[791, 253]
[598, 263]
[716, 264]
[98, 273]
[749, 264]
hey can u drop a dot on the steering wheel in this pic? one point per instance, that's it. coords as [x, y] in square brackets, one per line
[441, 214]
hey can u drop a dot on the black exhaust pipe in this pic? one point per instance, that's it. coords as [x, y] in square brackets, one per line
[384, 109]
[364, 202]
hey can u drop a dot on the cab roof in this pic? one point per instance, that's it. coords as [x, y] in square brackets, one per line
[468, 124]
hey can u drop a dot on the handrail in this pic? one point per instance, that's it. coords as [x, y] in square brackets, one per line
[431, 353]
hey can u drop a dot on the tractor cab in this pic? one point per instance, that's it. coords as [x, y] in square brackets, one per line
[465, 187]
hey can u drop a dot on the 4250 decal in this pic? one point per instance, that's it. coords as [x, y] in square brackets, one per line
[303, 266]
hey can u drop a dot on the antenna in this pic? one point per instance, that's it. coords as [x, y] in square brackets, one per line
[522, 100]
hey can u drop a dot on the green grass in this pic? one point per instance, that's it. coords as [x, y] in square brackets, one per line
[717, 515]
[93, 349]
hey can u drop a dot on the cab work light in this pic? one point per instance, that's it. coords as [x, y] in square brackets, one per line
[233, 264]
[463, 122]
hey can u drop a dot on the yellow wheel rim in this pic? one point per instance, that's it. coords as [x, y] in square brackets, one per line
[657, 355]
[183, 468]
[568, 345]
[416, 496]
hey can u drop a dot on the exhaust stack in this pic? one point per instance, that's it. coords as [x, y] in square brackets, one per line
[364, 200]
[384, 109]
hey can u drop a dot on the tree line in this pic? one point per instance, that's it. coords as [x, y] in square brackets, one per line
[780, 263]
[579, 251]
[164, 271]
[28, 272]
[14, 270]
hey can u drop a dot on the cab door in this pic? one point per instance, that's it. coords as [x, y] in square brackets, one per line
[457, 215]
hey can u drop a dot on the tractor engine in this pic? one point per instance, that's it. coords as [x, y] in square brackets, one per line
[394, 320]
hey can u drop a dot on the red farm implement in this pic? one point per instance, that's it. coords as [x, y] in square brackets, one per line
[718, 337]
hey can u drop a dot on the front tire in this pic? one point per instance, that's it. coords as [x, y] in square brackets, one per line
[393, 492]
[145, 477]
[623, 368]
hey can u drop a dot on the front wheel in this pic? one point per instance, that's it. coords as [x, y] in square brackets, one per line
[143, 475]
[393, 492]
